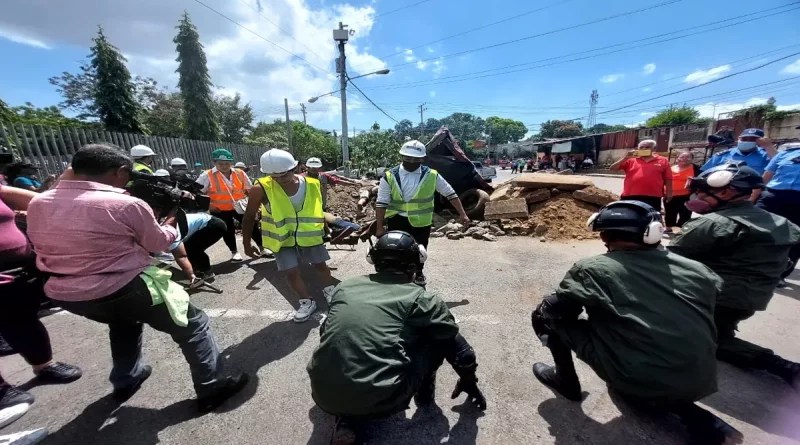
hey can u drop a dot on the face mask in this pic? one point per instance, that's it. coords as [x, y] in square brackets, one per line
[746, 146]
[698, 206]
[411, 166]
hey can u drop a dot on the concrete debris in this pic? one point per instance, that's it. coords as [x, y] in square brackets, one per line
[478, 234]
[594, 195]
[437, 235]
[541, 229]
[544, 181]
[542, 239]
[450, 227]
[472, 230]
[500, 233]
[455, 235]
[512, 208]
[537, 195]
[485, 224]
[502, 193]
[489, 237]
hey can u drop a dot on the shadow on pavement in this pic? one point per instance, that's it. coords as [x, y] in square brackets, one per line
[105, 422]
[790, 290]
[269, 272]
[759, 399]
[452, 304]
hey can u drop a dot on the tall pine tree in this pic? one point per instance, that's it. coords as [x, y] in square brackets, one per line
[195, 84]
[114, 94]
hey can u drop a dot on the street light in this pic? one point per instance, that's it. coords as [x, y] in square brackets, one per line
[315, 98]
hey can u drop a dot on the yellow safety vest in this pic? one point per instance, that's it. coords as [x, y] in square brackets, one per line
[420, 207]
[138, 166]
[282, 226]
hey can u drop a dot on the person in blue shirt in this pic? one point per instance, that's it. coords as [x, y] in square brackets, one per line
[782, 195]
[22, 175]
[189, 250]
[753, 148]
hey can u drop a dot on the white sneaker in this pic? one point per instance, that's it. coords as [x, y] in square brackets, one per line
[328, 292]
[266, 253]
[236, 257]
[307, 307]
[12, 413]
[24, 437]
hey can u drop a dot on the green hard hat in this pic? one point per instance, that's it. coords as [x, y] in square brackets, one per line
[221, 154]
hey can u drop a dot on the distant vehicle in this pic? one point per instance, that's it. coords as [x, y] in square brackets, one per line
[487, 173]
[504, 163]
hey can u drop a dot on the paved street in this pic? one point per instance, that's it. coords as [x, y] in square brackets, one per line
[491, 288]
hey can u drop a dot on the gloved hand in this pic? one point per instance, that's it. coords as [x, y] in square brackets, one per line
[468, 383]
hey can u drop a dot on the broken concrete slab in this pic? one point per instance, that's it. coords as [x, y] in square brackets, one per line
[512, 208]
[565, 172]
[561, 182]
[537, 195]
[437, 235]
[489, 237]
[502, 193]
[594, 195]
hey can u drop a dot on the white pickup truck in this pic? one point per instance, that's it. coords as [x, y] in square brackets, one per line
[487, 173]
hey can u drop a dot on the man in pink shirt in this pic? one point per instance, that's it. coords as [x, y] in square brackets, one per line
[95, 241]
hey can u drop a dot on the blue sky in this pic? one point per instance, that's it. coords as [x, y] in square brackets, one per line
[424, 70]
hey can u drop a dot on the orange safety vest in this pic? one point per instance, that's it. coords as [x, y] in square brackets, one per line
[222, 198]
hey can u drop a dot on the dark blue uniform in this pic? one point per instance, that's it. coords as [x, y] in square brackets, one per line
[756, 159]
[782, 195]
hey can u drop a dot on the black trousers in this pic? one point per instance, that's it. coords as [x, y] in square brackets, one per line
[421, 234]
[19, 320]
[785, 203]
[734, 350]
[675, 212]
[201, 240]
[654, 201]
[230, 233]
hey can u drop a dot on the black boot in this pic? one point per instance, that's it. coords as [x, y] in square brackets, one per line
[345, 432]
[427, 391]
[566, 384]
[789, 371]
[705, 428]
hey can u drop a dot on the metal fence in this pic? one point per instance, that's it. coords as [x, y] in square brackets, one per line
[51, 148]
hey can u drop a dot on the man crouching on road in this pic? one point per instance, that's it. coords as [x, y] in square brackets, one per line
[650, 330]
[292, 225]
[95, 241]
[383, 340]
[749, 248]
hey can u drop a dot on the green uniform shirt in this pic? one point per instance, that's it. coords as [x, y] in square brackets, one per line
[650, 330]
[746, 246]
[373, 342]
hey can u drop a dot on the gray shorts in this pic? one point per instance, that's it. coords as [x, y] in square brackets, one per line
[291, 257]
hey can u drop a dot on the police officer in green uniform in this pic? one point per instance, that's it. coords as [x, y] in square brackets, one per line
[748, 248]
[143, 158]
[650, 329]
[384, 339]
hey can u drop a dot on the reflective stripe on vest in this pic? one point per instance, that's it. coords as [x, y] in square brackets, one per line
[282, 226]
[218, 189]
[138, 166]
[420, 207]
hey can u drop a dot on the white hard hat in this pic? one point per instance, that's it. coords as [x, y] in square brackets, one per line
[177, 161]
[139, 151]
[161, 172]
[314, 163]
[240, 164]
[277, 161]
[414, 149]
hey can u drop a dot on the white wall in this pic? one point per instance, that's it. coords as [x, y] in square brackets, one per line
[610, 156]
[783, 128]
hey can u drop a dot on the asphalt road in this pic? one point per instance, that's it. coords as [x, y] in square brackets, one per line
[491, 288]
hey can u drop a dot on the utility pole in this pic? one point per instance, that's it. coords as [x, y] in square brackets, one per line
[592, 120]
[341, 36]
[303, 107]
[288, 125]
[421, 121]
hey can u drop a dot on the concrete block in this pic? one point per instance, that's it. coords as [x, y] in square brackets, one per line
[512, 208]
[561, 182]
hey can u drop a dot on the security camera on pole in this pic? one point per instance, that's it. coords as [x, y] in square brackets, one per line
[341, 36]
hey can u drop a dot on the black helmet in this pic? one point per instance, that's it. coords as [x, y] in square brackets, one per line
[398, 251]
[629, 216]
[736, 175]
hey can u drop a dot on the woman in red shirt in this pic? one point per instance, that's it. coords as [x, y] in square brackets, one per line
[676, 213]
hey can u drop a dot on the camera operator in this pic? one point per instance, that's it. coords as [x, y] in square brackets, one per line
[180, 170]
[95, 241]
[21, 293]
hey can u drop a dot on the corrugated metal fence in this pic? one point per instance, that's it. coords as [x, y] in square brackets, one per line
[51, 148]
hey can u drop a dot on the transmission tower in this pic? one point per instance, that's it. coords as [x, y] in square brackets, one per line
[592, 120]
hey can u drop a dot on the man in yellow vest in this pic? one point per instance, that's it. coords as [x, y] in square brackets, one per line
[225, 186]
[143, 158]
[292, 225]
[406, 196]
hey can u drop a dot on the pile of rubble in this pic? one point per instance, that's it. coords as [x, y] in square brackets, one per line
[352, 204]
[482, 230]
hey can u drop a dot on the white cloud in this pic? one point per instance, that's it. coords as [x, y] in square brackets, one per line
[647, 89]
[648, 69]
[421, 65]
[430, 50]
[408, 55]
[432, 94]
[238, 60]
[711, 109]
[611, 78]
[703, 76]
[648, 113]
[788, 107]
[793, 68]
[438, 67]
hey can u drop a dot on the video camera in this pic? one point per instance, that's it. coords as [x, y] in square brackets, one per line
[165, 196]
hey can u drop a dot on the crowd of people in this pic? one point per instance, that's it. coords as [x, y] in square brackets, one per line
[658, 318]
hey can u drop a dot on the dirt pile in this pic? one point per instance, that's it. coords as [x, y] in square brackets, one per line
[343, 202]
[560, 218]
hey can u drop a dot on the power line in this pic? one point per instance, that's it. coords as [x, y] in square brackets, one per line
[555, 31]
[402, 8]
[370, 101]
[504, 70]
[263, 38]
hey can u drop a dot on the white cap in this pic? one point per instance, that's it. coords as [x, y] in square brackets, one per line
[414, 149]
[139, 151]
[277, 161]
[240, 164]
[177, 161]
[161, 172]
[314, 163]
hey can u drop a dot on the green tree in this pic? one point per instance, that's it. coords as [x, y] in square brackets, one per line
[200, 121]
[374, 149]
[165, 116]
[463, 126]
[308, 141]
[235, 119]
[505, 130]
[270, 135]
[5, 111]
[560, 129]
[114, 94]
[403, 129]
[605, 128]
[674, 116]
